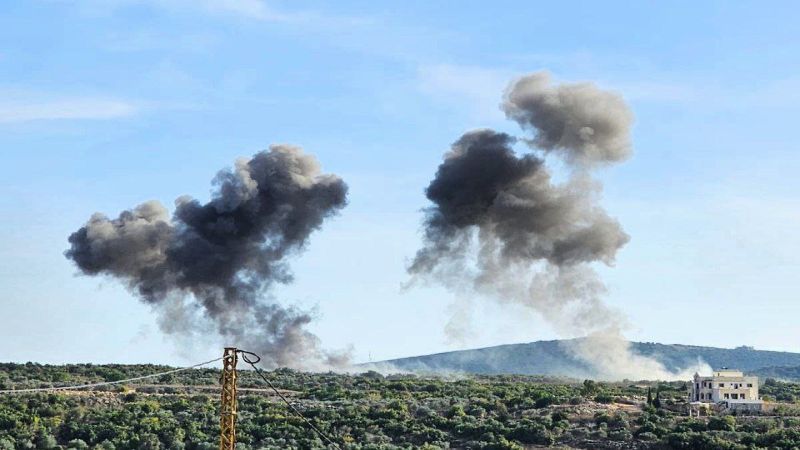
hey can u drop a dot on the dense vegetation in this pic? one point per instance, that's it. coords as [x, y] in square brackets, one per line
[371, 411]
[554, 357]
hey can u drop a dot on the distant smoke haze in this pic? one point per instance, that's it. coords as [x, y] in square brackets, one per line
[502, 229]
[221, 258]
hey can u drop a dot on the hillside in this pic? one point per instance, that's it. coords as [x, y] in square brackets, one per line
[552, 358]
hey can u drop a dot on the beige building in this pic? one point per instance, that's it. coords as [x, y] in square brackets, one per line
[728, 387]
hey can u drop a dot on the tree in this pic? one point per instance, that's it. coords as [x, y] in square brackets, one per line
[725, 423]
[77, 444]
[46, 440]
[589, 387]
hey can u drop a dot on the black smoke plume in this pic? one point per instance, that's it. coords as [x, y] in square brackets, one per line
[500, 227]
[220, 258]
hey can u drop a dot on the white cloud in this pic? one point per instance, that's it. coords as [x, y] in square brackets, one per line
[657, 91]
[709, 94]
[478, 89]
[139, 40]
[260, 10]
[781, 93]
[247, 9]
[21, 110]
[251, 9]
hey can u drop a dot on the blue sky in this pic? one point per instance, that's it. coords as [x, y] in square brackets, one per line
[106, 104]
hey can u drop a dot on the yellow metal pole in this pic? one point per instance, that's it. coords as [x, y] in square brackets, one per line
[227, 420]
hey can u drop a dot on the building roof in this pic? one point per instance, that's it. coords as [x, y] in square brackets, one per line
[725, 372]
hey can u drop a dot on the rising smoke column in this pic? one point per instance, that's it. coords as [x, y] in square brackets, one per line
[523, 224]
[220, 258]
[501, 227]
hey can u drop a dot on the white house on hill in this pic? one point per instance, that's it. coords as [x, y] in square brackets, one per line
[727, 387]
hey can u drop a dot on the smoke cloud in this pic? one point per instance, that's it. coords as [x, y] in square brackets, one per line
[588, 125]
[219, 259]
[521, 215]
[500, 227]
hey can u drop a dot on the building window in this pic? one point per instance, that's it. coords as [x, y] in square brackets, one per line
[727, 396]
[722, 385]
[749, 384]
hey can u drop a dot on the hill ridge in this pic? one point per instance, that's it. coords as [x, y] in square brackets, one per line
[551, 357]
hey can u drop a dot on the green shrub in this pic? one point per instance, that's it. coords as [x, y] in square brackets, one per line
[723, 423]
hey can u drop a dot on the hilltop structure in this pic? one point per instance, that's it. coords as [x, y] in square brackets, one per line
[726, 388]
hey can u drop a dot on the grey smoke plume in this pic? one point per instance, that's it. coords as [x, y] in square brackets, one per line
[502, 228]
[588, 124]
[220, 258]
[511, 199]
[523, 223]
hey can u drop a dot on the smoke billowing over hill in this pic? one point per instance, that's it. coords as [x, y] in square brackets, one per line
[502, 229]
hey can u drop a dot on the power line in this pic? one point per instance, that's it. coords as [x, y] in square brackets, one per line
[285, 400]
[246, 359]
[104, 383]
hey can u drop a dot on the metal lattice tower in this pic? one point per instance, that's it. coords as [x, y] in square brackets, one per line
[227, 420]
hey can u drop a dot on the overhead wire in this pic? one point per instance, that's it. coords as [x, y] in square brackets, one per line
[246, 357]
[105, 383]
